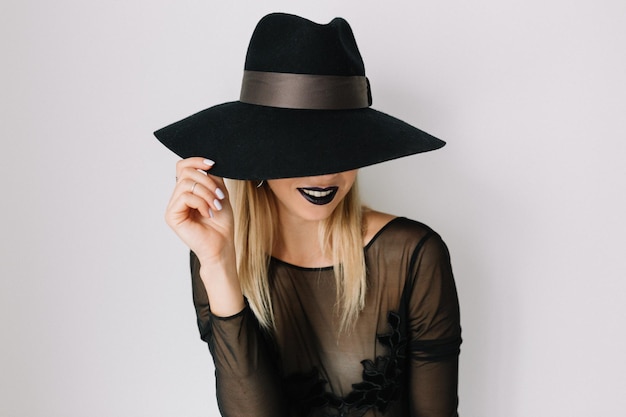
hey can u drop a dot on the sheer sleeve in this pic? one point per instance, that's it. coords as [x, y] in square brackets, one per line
[435, 332]
[246, 374]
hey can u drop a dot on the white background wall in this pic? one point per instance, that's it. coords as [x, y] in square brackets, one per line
[95, 306]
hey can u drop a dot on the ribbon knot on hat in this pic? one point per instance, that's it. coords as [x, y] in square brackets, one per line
[303, 109]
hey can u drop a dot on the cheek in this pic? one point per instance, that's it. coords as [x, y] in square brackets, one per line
[350, 177]
[350, 182]
[279, 188]
[287, 197]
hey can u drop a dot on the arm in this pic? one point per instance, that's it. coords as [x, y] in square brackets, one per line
[200, 214]
[246, 377]
[435, 332]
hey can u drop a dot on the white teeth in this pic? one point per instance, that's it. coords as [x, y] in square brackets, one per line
[317, 194]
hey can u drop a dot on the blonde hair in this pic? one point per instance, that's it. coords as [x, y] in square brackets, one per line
[256, 230]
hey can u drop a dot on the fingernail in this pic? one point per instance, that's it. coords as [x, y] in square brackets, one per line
[218, 205]
[208, 162]
[219, 193]
[211, 213]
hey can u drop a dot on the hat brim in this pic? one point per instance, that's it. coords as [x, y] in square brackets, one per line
[252, 142]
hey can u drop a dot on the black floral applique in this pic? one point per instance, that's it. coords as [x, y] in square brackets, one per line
[382, 382]
[382, 378]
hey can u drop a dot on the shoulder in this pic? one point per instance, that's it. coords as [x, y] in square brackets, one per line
[403, 250]
[373, 223]
[385, 229]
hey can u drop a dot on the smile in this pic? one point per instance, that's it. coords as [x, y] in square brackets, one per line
[319, 196]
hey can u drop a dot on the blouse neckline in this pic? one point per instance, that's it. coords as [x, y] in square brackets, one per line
[330, 268]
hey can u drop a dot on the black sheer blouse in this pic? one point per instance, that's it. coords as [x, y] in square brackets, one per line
[400, 359]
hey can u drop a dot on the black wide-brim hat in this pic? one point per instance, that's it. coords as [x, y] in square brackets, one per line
[303, 111]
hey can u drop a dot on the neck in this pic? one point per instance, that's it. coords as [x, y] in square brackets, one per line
[298, 243]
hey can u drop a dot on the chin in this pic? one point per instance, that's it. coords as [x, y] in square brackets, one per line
[317, 213]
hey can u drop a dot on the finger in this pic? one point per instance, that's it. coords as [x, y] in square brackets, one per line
[196, 163]
[213, 183]
[180, 209]
[210, 195]
[220, 185]
[184, 186]
[204, 187]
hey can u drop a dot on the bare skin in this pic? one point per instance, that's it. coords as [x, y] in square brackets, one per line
[200, 213]
[299, 219]
[204, 222]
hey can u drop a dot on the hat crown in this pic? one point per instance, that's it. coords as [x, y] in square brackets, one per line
[291, 44]
[324, 128]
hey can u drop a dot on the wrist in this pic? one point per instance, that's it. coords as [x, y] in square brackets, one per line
[225, 260]
[221, 282]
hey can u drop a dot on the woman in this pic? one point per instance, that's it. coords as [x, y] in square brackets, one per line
[310, 304]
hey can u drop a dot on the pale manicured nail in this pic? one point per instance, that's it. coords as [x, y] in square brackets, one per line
[211, 213]
[220, 194]
[208, 162]
[218, 205]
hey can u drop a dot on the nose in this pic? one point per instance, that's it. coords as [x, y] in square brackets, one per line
[322, 181]
[325, 177]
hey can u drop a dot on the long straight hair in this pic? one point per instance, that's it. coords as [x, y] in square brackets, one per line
[340, 236]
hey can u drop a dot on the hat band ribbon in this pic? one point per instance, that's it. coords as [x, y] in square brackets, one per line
[305, 91]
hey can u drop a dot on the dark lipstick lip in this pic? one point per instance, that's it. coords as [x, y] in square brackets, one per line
[319, 201]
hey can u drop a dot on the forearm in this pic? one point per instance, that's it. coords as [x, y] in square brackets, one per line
[435, 334]
[221, 283]
[247, 380]
[434, 388]
[246, 375]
